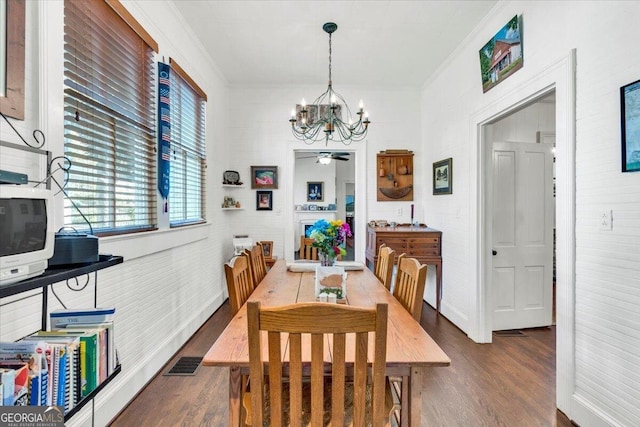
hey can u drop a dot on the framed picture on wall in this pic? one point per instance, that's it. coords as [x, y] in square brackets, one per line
[264, 200]
[315, 191]
[264, 177]
[501, 56]
[630, 118]
[267, 248]
[443, 176]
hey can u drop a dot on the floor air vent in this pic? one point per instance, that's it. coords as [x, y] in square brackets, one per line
[510, 333]
[185, 366]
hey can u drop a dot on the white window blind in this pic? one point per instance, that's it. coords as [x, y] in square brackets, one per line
[188, 151]
[109, 118]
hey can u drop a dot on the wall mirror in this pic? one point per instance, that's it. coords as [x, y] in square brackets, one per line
[12, 42]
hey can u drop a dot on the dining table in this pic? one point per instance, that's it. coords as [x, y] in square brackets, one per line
[410, 350]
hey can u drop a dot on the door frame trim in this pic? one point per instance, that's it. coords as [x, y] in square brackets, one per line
[558, 76]
[360, 183]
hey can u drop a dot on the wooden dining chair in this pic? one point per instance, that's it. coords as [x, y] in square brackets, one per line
[323, 322]
[257, 263]
[306, 250]
[239, 281]
[409, 286]
[384, 265]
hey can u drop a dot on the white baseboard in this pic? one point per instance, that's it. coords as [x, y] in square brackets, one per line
[585, 413]
[455, 316]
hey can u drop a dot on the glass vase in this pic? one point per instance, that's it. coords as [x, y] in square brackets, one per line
[326, 260]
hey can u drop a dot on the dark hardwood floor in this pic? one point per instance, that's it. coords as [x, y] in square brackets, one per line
[508, 383]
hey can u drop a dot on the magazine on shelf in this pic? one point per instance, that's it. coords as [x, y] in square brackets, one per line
[32, 373]
[65, 317]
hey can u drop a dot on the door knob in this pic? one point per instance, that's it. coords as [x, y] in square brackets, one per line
[494, 252]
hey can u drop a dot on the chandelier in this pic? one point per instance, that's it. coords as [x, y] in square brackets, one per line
[323, 118]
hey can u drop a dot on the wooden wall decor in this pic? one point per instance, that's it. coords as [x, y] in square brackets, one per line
[394, 171]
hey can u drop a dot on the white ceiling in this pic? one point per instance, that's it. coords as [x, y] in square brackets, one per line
[378, 43]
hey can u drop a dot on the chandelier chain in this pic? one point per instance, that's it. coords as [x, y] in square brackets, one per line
[329, 59]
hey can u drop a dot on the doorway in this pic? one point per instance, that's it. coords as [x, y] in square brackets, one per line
[333, 171]
[558, 76]
[521, 208]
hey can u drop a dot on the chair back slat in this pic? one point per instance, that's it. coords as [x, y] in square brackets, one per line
[384, 266]
[359, 380]
[410, 283]
[295, 382]
[323, 322]
[338, 374]
[239, 281]
[275, 378]
[257, 263]
[256, 367]
[317, 379]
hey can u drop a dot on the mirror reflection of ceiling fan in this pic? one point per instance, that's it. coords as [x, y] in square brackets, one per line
[325, 157]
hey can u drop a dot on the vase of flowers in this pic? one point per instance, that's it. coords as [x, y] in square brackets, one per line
[329, 237]
[326, 259]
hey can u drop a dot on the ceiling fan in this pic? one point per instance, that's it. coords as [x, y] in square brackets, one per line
[325, 157]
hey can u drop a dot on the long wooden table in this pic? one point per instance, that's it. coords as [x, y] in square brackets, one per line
[410, 350]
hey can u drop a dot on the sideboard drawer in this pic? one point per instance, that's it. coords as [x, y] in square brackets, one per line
[424, 246]
[397, 244]
[425, 240]
[423, 251]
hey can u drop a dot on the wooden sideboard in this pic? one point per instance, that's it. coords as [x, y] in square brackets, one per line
[422, 243]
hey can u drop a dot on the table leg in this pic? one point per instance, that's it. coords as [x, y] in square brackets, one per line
[438, 286]
[404, 402]
[415, 390]
[235, 396]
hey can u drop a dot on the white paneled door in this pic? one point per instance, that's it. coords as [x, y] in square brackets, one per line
[523, 215]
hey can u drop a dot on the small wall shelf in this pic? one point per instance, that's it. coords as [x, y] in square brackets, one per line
[232, 199]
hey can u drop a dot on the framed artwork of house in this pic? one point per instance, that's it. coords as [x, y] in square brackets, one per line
[501, 56]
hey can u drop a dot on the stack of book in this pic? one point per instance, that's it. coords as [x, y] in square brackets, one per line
[72, 359]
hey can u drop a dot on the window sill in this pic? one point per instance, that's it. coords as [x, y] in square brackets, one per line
[152, 241]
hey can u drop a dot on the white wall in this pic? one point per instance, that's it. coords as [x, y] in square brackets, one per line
[523, 125]
[266, 139]
[607, 267]
[307, 170]
[171, 280]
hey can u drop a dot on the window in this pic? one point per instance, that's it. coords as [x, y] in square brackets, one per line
[109, 118]
[188, 158]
